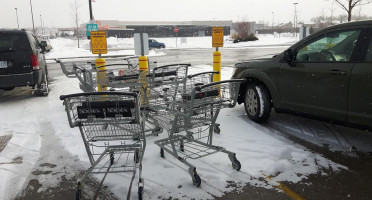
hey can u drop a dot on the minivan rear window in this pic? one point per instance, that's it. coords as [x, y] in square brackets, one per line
[11, 41]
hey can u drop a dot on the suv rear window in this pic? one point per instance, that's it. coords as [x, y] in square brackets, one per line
[11, 41]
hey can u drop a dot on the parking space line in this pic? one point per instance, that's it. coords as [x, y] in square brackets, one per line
[290, 193]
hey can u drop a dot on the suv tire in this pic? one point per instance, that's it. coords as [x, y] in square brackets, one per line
[257, 102]
[43, 87]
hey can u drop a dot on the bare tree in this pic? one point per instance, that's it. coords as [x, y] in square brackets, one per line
[243, 29]
[348, 5]
[332, 9]
[75, 6]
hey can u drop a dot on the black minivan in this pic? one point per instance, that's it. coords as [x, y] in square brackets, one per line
[22, 62]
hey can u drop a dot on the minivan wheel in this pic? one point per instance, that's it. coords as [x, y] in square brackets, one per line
[43, 87]
[257, 103]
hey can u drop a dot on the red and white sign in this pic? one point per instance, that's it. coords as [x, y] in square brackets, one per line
[175, 29]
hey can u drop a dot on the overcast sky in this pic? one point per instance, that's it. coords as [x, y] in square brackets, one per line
[57, 13]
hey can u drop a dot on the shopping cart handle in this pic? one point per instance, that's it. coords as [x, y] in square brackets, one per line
[171, 66]
[198, 88]
[63, 97]
[210, 72]
[113, 65]
[77, 67]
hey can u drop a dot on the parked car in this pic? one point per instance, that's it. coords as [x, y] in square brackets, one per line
[327, 75]
[22, 61]
[155, 44]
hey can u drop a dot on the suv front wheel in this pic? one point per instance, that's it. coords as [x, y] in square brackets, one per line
[257, 103]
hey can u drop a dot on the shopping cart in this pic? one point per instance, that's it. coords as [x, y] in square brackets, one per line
[86, 71]
[165, 82]
[190, 121]
[112, 129]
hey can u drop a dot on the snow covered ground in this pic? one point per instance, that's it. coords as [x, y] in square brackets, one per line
[42, 141]
[63, 47]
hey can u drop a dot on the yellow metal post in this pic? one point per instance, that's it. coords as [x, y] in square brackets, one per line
[217, 65]
[144, 68]
[101, 75]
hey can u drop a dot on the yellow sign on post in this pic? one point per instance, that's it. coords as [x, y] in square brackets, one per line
[217, 37]
[98, 42]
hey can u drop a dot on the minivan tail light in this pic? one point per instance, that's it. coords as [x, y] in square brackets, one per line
[34, 62]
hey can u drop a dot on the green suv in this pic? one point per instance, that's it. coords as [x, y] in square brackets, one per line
[327, 75]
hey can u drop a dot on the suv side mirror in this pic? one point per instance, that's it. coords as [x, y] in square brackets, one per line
[43, 44]
[287, 56]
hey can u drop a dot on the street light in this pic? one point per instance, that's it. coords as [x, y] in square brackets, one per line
[17, 17]
[272, 24]
[32, 15]
[91, 15]
[295, 19]
[41, 25]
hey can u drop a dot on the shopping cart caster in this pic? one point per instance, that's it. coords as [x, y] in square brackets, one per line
[162, 152]
[136, 156]
[112, 158]
[182, 147]
[196, 179]
[236, 165]
[78, 192]
[217, 129]
[157, 130]
[235, 162]
[140, 192]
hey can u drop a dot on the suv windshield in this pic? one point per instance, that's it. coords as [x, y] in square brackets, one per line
[11, 41]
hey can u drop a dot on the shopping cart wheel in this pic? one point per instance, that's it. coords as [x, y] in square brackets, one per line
[140, 192]
[112, 158]
[157, 130]
[78, 194]
[236, 164]
[182, 148]
[162, 152]
[196, 179]
[217, 129]
[136, 156]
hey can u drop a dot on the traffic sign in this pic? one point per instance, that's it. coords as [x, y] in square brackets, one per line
[98, 42]
[91, 27]
[175, 29]
[217, 37]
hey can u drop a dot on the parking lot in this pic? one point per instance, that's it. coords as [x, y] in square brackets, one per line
[319, 160]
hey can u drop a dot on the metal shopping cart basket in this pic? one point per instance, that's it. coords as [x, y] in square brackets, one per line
[112, 129]
[86, 71]
[190, 121]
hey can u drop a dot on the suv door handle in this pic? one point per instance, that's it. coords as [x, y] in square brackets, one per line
[337, 72]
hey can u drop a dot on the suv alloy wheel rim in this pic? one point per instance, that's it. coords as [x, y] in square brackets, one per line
[251, 102]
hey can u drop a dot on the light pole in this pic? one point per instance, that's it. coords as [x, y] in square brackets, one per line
[41, 25]
[295, 19]
[17, 17]
[272, 24]
[32, 15]
[91, 15]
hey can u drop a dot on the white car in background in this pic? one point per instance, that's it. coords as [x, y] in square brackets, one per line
[46, 39]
